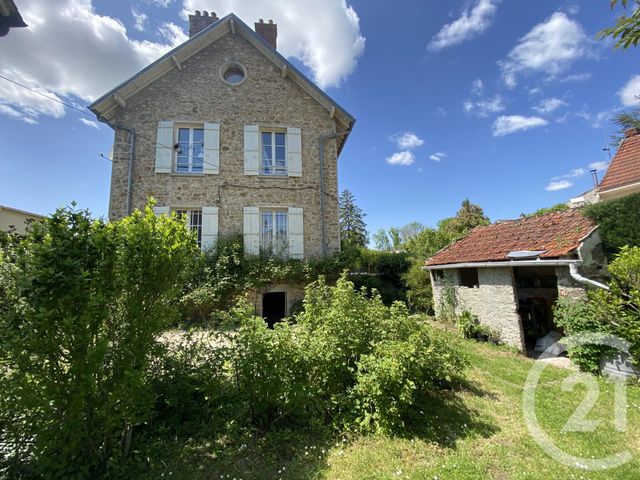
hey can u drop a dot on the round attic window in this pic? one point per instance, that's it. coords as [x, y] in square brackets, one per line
[233, 73]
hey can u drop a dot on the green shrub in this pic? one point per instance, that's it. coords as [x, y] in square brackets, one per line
[320, 369]
[394, 379]
[81, 303]
[468, 325]
[616, 311]
[419, 289]
[619, 222]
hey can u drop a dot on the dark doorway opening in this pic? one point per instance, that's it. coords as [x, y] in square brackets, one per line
[537, 290]
[274, 307]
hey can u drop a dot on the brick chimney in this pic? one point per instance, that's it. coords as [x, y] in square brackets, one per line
[631, 132]
[200, 21]
[268, 31]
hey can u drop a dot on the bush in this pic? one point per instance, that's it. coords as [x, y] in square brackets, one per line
[619, 222]
[80, 305]
[419, 289]
[468, 325]
[321, 370]
[616, 311]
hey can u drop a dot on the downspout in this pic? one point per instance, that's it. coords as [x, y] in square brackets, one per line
[132, 149]
[573, 271]
[323, 139]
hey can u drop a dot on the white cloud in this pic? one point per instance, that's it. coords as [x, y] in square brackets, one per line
[558, 185]
[477, 87]
[630, 92]
[68, 51]
[89, 123]
[576, 172]
[486, 107]
[549, 105]
[160, 3]
[549, 48]
[599, 166]
[471, 23]
[438, 156]
[11, 112]
[441, 111]
[140, 20]
[574, 77]
[407, 140]
[401, 158]
[507, 124]
[324, 35]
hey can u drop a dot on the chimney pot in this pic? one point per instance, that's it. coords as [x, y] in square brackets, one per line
[630, 132]
[200, 21]
[268, 31]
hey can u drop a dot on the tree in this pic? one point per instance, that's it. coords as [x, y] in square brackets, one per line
[396, 242]
[381, 240]
[627, 29]
[410, 230]
[468, 217]
[353, 229]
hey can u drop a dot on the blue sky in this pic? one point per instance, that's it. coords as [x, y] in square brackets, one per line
[506, 103]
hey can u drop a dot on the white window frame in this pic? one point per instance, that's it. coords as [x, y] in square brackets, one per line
[276, 171]
[191, 128]
[269, 242]
[193, 217]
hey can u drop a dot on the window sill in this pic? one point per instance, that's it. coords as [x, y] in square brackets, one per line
[186, 174]
[279, 177]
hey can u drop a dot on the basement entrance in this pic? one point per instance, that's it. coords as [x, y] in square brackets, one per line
[274, 307]
[537, 291]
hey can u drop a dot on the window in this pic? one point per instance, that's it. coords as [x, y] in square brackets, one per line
[273, 153]
[194, 222]
[469, 277]
[438, 274]
[274, 232]
[233, 73]
[190, 150]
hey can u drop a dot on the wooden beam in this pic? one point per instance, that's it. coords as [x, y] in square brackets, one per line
[176, 62]
[285, 71]
[233, 26]
[332, 113]
[119, 100]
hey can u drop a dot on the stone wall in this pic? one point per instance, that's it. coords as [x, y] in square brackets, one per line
[494, 301]
[294, 294]
[196, 93]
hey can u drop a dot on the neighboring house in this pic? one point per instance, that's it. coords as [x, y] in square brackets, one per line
[228, 133]
[623, 175]
[9, 17]
[510, 273]
[12, 219]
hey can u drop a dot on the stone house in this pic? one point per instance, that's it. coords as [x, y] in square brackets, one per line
[227, 132]
[510, 273]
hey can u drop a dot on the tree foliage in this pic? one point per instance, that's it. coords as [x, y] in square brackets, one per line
[619, 222]
[353, 229]
[626, 31]
[81, 302]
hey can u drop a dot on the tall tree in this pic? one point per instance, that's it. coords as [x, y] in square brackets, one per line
[396, 241]
[410, 230]
[353, 229]
[468, 217]
[627, 29]
[381, 240]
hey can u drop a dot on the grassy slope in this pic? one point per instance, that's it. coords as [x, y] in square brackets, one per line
[475, 433]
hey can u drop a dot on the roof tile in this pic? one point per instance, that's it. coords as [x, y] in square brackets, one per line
[557, 234]
[625, 166]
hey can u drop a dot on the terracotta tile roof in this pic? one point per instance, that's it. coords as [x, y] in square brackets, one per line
[625, 166]
[557, 234]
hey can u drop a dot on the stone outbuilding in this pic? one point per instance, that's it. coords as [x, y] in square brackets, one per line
[509, 274]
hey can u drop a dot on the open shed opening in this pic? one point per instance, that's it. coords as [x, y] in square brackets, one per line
[537, 291]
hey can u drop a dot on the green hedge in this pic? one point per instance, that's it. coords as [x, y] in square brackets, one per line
[619, 222]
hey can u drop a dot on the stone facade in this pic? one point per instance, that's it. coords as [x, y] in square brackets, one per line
[196, 93]
[494, 301]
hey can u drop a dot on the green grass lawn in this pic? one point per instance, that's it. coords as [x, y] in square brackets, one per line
[475, 432]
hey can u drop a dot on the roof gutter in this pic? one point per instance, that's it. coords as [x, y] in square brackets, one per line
[509, 263]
